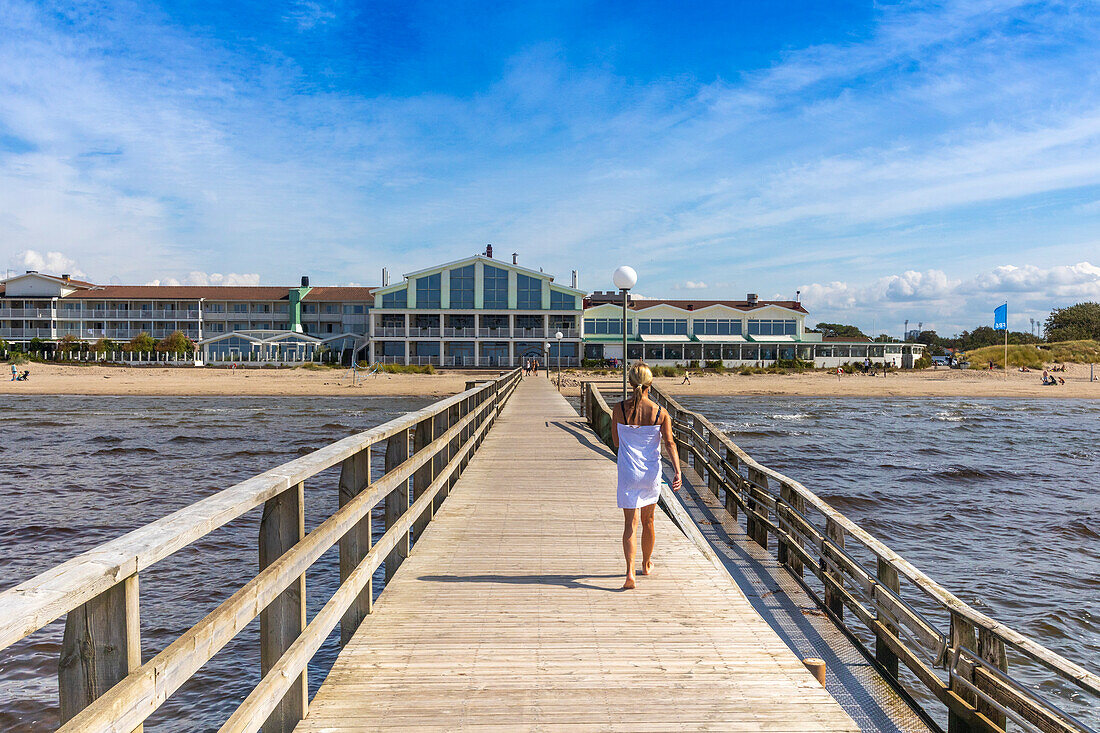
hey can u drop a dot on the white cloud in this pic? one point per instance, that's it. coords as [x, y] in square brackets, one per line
[953, 304]
[691, 285]
[307, 15]
[213, 278]
[50, 263]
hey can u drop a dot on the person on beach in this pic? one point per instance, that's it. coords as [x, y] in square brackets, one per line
[640, 428]
[687, 378]
[14, 371]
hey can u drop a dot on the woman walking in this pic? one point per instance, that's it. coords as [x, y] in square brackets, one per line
[640, 428]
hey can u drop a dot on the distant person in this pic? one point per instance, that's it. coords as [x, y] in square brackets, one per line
[1061, 381]
[687, 378]
[640, 428]
[535, 366]
[1046, 377]
[14, 371]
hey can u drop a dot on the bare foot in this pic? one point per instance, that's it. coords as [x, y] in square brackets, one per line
[647, 568]
[629, 584]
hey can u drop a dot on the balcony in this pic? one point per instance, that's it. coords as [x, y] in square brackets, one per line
[425, 332]
[26, 313]
[26, 333]
[388, 332]
[529, 333]
[498, 333]
[460, 332]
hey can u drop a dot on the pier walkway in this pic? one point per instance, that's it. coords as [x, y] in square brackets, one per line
[507, 613]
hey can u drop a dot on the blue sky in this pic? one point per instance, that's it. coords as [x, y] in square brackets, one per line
[921, 161]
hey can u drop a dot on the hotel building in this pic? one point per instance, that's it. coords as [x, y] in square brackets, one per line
[474, 312]
[228, 323]
[478, 311]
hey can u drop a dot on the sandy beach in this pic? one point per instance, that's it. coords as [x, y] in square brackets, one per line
[182, 381]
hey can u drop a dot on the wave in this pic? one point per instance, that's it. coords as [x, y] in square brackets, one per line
[123, 450]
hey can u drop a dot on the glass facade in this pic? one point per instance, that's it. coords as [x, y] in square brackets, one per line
[396, 299]
[759, 327]
[594, 326]
[662, 326]
[495, 288]
[428, 291]
[717, 327]
[528, 292]
[462, 287]
[562, 301]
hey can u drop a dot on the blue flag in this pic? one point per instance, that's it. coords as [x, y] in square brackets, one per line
[1000, 318]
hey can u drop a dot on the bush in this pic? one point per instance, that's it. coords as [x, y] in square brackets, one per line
[924, 361]
[104, 346]
[37, 344]
[70, 343]
[716, 366]
[667, 371]
[796, 364]
[1079, 352]
[142, 342]
[401, 368]
[175, 343]
[17, 358]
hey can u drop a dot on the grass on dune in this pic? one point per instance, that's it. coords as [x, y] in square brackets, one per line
[1035, 357]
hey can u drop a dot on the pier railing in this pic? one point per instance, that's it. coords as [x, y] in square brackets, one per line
[103, 683]
[962, 657]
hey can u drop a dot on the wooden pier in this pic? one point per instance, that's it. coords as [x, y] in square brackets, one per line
[502, 607]
[508, 615]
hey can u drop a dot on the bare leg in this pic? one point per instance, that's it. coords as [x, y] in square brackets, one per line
[630, 544]
[649, 538]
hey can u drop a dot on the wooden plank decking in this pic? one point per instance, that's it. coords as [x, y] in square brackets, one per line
[507, 614]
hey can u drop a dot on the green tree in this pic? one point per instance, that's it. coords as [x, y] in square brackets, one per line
[37, 344]
[1074, 323]
[69, 343]
[104, 346]
[142, 342]
[176, 343]
[839, 330]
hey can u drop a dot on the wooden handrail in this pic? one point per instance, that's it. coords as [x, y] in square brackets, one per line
[118, 695]
[981, 661]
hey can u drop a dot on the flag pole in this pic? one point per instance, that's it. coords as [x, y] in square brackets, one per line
[1006, 340]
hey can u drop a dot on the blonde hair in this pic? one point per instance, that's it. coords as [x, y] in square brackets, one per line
[640, 377]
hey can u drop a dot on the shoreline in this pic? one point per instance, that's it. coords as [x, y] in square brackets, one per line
[154, 381]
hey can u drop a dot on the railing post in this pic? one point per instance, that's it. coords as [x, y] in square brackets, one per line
[713, 462]
[101, 645]
[790, 502]
[354, 546]
[454, 415]
[440, 425]
[962, 635]
[397, 501]
[282, 527]
[696, 444]
[757, 530]
[887, 576]
[992, 651]
[422, 479]
[733, 479]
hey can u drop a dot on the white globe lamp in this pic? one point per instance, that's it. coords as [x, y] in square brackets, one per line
[625, 278]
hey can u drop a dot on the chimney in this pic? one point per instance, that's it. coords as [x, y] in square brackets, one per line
[798, 296]
[32, 272]
[575, 279]
[489, 251]
[691, 306]
[66, 277]
[752, 300]
[515, 258]
[385, 277]
[305, 281]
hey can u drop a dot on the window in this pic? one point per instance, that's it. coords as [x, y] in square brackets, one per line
[462, 287]
[309, 307]
[331, 308]
[600, 326]
[350, 310]
[214, 307]
[240, 307]
[261, 308]
[759, 327]
[528, 322]
[396, 299]
[495, 288]
[427, 291]
[717, 327]
[393, 348]
[663, 326]
[216, 327]
[528, 292]
[282, 307]
[562, 301]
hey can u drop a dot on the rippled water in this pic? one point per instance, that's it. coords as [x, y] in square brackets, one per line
[78, 471]
[996, 499]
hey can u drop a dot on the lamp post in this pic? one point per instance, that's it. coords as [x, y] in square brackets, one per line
[546, 351]
[558, 336]
[625, 278]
